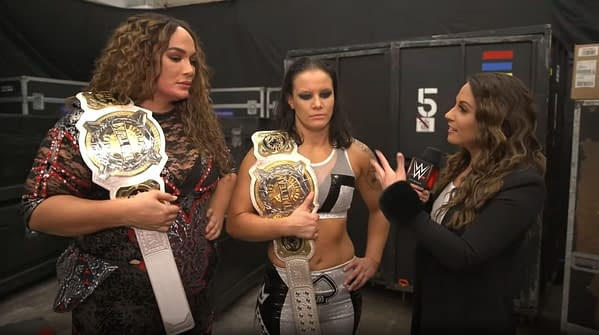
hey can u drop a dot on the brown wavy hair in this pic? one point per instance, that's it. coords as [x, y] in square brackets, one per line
[129, 67]
[506, 119]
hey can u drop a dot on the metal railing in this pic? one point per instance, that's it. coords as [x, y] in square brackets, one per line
[37, 99]
[260, 104]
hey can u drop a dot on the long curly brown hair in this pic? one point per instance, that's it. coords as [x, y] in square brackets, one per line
[506, 119]
[129, 67]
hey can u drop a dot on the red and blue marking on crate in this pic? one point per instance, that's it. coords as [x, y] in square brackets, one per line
[498, 61]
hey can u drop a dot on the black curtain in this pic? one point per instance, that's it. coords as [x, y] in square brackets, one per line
[576, 21]
[245, 40]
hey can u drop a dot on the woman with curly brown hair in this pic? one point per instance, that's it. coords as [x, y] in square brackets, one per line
[148, 111]
[488, 196]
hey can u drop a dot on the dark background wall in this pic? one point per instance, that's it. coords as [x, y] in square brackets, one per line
[576, 20]
[246, 40]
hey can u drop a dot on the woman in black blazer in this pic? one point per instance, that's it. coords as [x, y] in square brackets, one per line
[489, 194]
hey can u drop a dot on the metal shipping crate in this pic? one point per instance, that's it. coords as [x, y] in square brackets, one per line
[580, 299]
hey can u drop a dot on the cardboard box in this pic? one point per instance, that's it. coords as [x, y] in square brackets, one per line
[585, 77]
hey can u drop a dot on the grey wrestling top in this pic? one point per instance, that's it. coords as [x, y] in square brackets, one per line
[336, 183]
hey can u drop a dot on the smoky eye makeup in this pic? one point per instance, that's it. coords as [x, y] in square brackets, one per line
[325, 94]
[322, 94]
[305, 96]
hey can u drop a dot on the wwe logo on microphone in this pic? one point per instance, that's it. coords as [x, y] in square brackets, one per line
[419, 170]
[423, 171]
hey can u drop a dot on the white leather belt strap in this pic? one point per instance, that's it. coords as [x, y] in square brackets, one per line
[166, 282]
[280, 181]
[124, 147]
[303, 299]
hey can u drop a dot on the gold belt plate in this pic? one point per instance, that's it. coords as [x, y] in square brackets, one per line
[280, 181]
[122, 144]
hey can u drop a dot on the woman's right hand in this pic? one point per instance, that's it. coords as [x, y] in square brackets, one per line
[152, 210]
[303, 221]
[383, 171]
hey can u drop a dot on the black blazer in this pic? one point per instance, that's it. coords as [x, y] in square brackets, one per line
[464, 279]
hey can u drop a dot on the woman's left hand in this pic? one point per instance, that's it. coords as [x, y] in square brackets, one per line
[361, 269]
[423, 194]
[384, 173]
[214, 226]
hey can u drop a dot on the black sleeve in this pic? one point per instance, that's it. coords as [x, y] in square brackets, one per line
[400, 203]
[503, 220]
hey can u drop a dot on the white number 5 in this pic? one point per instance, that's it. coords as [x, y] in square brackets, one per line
[430, 102]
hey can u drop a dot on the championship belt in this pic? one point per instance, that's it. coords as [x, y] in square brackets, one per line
[280, 181]
[123, 145]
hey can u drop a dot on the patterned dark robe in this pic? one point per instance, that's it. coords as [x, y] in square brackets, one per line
[102, 276]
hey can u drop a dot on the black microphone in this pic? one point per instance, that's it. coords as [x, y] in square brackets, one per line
[424, 170]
